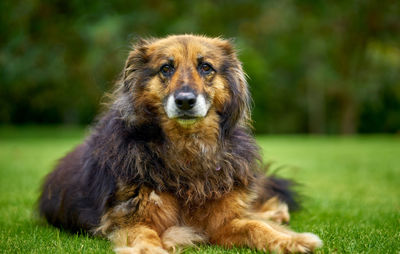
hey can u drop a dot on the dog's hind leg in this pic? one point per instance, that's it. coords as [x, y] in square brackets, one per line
[274, 198]
[231, 226]
[265, 237]
[272, 210]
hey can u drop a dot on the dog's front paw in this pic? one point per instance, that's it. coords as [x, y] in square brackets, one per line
[141, 249]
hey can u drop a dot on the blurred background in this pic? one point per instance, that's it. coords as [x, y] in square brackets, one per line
[330, 67]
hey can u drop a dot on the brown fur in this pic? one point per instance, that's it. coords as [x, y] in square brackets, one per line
[150, 183]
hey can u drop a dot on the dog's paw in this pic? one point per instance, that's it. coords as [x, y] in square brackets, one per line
[140, 249]
[181, 236]
[304, 243]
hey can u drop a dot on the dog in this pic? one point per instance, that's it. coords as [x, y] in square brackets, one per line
[172, 162]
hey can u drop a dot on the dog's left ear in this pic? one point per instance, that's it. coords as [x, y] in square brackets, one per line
[236, 112]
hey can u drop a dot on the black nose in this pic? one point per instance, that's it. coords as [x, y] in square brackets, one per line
[185, 100]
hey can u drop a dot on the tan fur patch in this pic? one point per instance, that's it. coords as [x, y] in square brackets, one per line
[159, 211]
[179, 236]
[274, 210]
[155, 198]
[214, 214]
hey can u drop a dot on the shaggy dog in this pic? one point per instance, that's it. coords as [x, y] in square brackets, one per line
[173, 162]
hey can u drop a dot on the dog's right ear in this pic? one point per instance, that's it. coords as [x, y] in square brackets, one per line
[123, 97]
[136, 61]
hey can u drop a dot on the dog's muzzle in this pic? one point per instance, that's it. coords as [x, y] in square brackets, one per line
[186, 106]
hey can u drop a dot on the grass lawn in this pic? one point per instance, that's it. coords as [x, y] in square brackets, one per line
[352, 186]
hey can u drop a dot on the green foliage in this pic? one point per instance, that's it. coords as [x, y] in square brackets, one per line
[314, 66]
[351, 188]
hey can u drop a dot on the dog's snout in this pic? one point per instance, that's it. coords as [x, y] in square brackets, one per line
[185, 103]
[185, 100]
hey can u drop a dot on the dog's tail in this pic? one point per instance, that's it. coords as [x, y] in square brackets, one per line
[281, 188]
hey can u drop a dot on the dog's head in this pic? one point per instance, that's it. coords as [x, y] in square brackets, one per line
[185, 82]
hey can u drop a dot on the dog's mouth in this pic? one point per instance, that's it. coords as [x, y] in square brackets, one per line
[187, 120]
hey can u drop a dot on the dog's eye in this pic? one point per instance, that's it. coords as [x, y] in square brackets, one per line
[167, 70]
[205, 68]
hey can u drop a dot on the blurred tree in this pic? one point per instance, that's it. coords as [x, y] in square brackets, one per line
[313, 66]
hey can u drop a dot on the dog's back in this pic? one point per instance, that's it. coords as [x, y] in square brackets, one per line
[71, 194]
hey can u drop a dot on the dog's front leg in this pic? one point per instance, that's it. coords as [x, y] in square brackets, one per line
[272, 210]
[135, 224]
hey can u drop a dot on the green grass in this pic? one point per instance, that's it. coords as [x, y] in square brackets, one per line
[352, 186]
